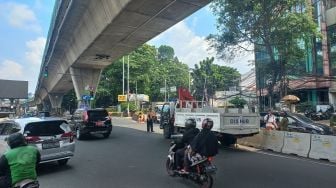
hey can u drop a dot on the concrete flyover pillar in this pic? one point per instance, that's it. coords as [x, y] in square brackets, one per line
[46, 105]
[56, 101]
[85, 80]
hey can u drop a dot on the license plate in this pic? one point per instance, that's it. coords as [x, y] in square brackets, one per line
[211, 169]
[99, 123]
[50, 145]
[98, 132]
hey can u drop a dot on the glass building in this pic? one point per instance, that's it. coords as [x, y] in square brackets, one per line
[316, 83]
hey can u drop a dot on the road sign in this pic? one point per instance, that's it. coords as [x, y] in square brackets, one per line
[162, 90]
[122, 98]
[86, 97]
[173, 89]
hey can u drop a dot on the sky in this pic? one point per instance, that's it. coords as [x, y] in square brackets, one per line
[24, 26]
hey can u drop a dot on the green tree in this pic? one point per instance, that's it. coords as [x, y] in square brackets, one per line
[281, 29]
[166, 53]
[238, 102]
[147, 75]
[211, 77]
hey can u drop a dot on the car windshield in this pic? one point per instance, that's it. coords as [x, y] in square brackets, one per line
[46, 128]
[303, 118]
[165, 108]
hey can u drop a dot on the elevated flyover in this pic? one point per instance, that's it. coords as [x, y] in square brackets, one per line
[85, 36]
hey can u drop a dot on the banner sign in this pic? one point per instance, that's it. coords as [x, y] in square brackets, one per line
[122, 98]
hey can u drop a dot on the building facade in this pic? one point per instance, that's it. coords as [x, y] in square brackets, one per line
[318, 83]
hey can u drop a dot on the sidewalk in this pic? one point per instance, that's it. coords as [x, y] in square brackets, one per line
[129, 123]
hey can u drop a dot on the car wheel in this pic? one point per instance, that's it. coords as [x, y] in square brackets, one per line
[79, 135]
[227, 141]
[106, 135]
[62, 162]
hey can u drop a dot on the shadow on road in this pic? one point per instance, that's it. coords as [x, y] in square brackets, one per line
[52, 168]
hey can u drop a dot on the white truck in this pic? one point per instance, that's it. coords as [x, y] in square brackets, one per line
[229, 123]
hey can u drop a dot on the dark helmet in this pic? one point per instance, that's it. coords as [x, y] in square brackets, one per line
[190, 123]
[207, 123]
[16, 140]
[283, 113]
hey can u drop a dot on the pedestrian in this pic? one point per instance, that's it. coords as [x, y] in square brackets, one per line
[284, 121]
[270, 121]
[149, 122]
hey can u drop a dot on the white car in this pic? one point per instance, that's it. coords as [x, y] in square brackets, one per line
[52, 136]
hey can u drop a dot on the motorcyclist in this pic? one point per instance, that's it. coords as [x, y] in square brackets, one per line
[205, 143]
[19, 163]
[190, 132]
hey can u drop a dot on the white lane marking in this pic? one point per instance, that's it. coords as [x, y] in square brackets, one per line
[287, 157]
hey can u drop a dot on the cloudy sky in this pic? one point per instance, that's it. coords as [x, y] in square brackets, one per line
[24, 27]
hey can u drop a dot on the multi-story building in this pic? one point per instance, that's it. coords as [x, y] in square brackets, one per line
[318, 83]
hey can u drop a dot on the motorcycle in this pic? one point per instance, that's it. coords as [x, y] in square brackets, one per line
[200, 172]
[27, 183]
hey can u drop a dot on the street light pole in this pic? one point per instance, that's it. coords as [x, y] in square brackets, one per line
[123, 81]
[136, 94]
[128, 78]
[189, 81]
[165, 90]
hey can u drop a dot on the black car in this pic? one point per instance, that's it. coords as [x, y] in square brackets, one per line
[300, 123]
[92, 121]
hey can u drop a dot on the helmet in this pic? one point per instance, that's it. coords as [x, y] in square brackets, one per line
[283, 113]
[190, 123]
[207, 123]
[16, 140]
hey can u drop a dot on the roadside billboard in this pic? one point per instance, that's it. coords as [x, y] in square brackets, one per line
[13, 89]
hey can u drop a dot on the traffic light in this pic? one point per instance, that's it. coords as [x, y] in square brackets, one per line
[45, 71]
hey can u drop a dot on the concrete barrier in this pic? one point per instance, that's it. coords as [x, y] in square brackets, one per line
[254, 141]
[323, 147]
[296, 143]
[272, 140]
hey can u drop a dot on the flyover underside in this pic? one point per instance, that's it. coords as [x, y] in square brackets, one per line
[93, 34]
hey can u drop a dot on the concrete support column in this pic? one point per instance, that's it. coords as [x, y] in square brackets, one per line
[46, 106]
[84, 80]
[56, 101]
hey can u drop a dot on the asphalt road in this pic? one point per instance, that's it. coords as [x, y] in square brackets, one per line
[133, 158]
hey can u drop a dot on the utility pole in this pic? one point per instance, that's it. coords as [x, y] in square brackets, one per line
[128, 78]
[189, 81]
[165, 90]
[136, 93]
[123, 75]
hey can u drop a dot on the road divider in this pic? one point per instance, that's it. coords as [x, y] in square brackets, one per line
[296, 143]
[272, 140]
[323, 147]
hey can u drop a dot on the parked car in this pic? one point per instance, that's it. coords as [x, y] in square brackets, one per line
[92, 121]
[300, 123]
[52, 136]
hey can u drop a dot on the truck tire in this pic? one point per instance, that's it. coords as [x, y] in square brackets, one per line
[166, 131]
[227, 140]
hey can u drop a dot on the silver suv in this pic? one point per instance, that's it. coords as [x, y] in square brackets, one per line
[52, 136]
